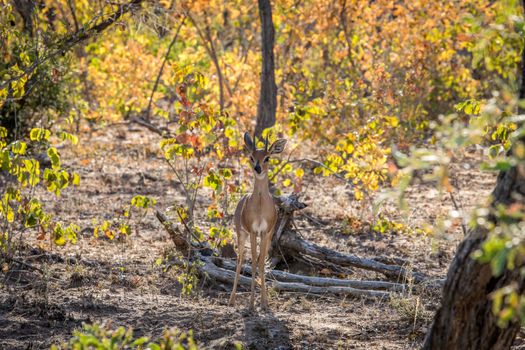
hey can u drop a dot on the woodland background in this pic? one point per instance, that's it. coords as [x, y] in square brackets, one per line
[399, 117]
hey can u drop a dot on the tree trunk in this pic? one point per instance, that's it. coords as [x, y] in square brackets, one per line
[267, 105]
[465, 319]
[25, 8]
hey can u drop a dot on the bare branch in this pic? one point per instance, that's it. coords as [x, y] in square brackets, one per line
[173, 41]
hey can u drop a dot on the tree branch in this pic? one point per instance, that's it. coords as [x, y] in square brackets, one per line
[173, 41]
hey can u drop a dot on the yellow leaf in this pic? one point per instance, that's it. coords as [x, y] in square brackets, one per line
[358, 195]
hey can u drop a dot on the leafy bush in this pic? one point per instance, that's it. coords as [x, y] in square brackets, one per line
[23, 169]
[103, 337]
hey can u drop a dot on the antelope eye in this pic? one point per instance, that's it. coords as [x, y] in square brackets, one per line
[266, 159]
[252, 160]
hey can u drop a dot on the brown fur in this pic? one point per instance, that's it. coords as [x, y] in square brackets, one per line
[255, 216]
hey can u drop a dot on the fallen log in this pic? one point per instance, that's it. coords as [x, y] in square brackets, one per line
[208, 269]
[291, 244]
[317, 281]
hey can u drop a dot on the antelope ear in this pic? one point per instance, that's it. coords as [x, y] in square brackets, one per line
[248, 142]
[277, 146]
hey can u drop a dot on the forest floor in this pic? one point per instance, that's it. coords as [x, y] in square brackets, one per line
[122, 284]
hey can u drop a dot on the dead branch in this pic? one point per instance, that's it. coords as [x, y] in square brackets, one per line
[176, 236]
[164, 132]
[208, 269]
[319, 281]
[293, 244]
[173, 41]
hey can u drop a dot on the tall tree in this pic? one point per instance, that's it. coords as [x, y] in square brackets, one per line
[267, 105]
[465, 319]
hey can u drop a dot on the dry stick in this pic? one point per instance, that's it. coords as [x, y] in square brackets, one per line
[295, 283]
[213, 55]
[23, 263]
[463, 227]
[181, 243]
[178, 239]
[321, 281]
[149, 126]
[73, 14]
[173, 41]
[209, 270]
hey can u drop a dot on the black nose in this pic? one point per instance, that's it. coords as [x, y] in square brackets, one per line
[257, 168]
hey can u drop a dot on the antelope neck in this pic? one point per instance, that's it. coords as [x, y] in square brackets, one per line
[260, 185]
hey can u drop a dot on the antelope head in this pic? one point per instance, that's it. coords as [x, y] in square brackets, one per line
[260, 157]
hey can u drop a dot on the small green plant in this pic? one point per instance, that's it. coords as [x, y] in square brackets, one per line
[23, 170]
[120, 227]
[197, 157]
[189, 277]
[385, 225]
[103, 337]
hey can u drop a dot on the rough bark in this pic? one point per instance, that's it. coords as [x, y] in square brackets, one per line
[465, 319]
[267, 105]
[25, 8]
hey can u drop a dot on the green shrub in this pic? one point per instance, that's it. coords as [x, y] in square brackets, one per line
[102, 337]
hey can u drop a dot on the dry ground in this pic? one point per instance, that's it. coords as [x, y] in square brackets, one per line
[120, 283]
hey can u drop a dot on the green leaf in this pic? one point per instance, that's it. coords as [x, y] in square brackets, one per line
[498, 262]
[494, 151]
[125, 229]
[24, 58]
[5, 161]
[71, 233]
[69, 137]
[213, 181]
[54, 157]
[143, 202]
[500, 165]
[167, 142]
[59, 235]
[19, 147]
[140, 341]
[39, 134]
[226, 173]
[32, 167]
[76, 179]
[214, 231]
